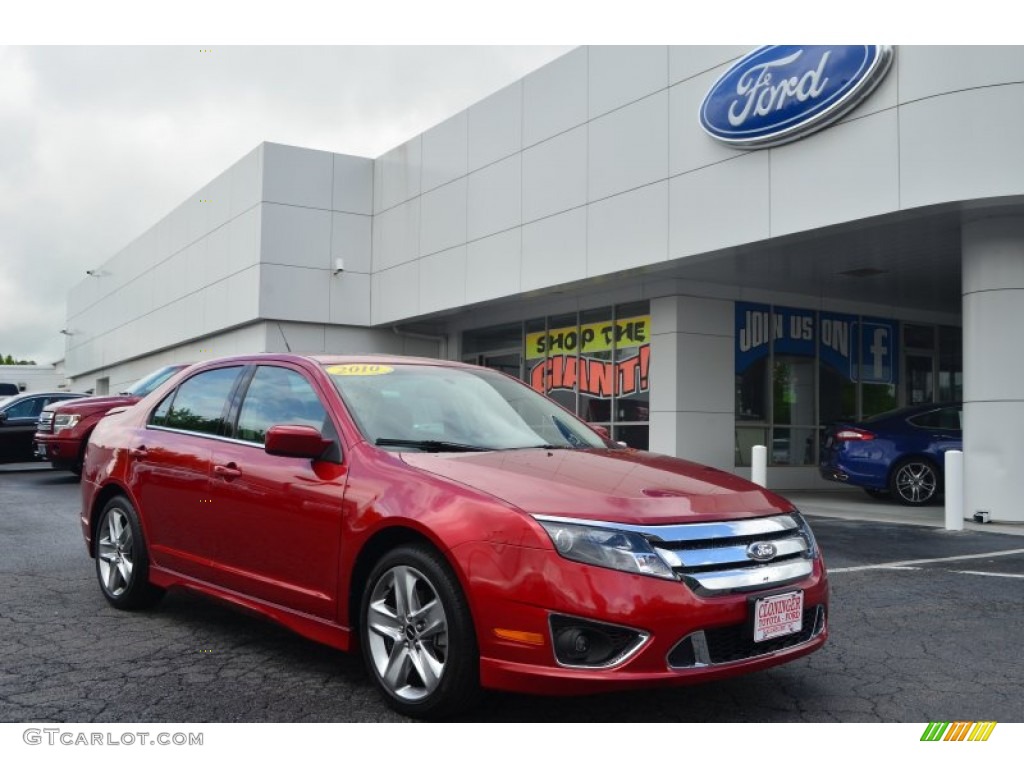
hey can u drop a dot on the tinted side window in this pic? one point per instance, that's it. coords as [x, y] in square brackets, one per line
[29, 408]
[159, 415]
[200, 403]
[278, 396]
[929, 420]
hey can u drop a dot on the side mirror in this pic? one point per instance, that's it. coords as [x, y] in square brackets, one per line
[3, 417]
[296, 441]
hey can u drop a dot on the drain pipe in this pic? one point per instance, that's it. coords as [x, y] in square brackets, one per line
[441, 340]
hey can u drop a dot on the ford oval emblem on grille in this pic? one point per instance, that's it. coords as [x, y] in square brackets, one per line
[762, 551]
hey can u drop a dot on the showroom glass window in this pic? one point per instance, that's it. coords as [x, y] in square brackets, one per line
[798, 370]
[595, 362]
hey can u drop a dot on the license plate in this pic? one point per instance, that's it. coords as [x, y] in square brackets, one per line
[778, 615]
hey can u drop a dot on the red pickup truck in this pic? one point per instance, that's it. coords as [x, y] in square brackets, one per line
[63, 431]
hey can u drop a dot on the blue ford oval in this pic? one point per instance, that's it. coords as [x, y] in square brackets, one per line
[779, 93]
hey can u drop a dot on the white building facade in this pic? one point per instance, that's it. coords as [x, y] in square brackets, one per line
[581, 229]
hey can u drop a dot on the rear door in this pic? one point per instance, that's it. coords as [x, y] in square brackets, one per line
[277, 519]
[171, 467]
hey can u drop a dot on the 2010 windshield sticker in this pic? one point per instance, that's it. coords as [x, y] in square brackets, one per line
[359, 369]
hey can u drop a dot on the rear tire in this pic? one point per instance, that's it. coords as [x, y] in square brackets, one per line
[915, 482]
[122, 561]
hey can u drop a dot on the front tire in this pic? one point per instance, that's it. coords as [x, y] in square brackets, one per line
[914, 482]
[417, 634]
[122, 562]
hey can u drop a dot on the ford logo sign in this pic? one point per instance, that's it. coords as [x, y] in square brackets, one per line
[780, 93]
[761, 551]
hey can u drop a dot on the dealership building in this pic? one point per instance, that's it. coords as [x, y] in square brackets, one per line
[702, 248]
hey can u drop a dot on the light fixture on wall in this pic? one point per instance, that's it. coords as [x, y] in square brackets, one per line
[66, 332]
[339, 266]
[95, 272]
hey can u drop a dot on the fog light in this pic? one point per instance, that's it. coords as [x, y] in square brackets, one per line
[582, 643]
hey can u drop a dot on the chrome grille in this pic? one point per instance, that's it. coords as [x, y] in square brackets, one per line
[45, 423]
[715, 558]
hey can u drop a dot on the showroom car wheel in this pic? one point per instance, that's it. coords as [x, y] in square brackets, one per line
[417, 635]
[914, 482]
[122, 563]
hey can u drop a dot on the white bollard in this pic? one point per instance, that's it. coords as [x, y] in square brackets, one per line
[954, 490]
[759, 465]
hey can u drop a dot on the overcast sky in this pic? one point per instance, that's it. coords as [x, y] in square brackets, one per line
[97, 144]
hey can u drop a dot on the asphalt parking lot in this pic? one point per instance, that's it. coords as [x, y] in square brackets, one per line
[925, 625]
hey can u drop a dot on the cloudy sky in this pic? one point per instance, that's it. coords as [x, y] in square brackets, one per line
[97, 143]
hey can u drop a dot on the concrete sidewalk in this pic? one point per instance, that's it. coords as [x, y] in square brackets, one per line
[854, 504]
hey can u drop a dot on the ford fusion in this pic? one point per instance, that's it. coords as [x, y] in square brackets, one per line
[457, 528]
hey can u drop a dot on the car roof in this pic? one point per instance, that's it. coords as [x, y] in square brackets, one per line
[25, 395]
[322, 359]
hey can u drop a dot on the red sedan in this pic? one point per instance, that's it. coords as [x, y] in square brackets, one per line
[460, 529]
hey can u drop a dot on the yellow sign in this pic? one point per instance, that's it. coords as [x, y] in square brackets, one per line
[359, 369]
[590, 338]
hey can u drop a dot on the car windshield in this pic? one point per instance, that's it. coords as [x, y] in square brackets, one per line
[440, 408]
[147, 384]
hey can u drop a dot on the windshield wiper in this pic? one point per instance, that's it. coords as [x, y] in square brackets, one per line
[430, 445]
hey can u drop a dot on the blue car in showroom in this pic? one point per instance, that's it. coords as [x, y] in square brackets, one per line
[898, 454]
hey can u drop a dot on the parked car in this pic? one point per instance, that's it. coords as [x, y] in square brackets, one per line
[459, 528]
[63, 429]
[899, 454]
[8, 389]
[18, 415]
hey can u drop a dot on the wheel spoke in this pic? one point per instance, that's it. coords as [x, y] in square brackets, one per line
[396, 673]
[433, 618]
[384, 622]
[405, 593]
[427, 667]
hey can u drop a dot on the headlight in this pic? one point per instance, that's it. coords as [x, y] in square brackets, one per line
[64, 421]
[607, 547]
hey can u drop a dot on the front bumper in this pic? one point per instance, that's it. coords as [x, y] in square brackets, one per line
[667, 612]
[59, 450]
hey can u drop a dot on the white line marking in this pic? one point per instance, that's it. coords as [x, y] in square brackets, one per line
[903, 563]
[983, 573]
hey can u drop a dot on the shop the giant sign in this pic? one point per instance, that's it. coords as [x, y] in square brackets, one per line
[780, 93]
[567, 358]
[840, 340]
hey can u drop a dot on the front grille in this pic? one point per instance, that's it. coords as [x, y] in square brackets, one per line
[716, 558]
[723, 645]
[45, 423]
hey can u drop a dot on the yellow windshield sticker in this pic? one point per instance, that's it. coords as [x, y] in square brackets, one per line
[359, 369]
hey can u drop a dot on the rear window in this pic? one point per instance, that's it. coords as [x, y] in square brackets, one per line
[200, 403]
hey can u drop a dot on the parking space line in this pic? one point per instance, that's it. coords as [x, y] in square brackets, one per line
[904, 563]
[986, 573]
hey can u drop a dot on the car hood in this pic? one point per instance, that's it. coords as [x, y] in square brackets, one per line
[622, 486]
[93, 404]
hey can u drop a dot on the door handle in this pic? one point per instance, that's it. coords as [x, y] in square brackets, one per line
[229, 472]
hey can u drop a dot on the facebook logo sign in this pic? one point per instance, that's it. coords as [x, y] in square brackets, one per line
[877, 352]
